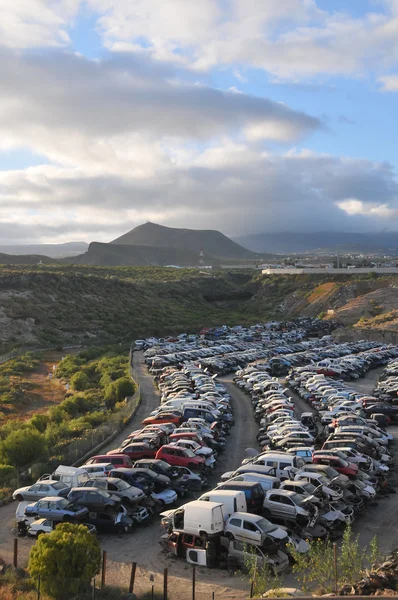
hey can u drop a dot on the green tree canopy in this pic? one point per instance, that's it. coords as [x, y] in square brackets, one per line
[22, 446]
[66, 560]
[79, 381]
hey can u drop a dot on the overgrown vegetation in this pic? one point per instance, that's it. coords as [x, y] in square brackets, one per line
[99, 380]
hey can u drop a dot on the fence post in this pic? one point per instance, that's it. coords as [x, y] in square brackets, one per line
[335, 566]
[94, 588]
[15, 558]
[38, 588]
[132, 577]
[252, 589]
[165, 572]
[103, 572]
[193, 582]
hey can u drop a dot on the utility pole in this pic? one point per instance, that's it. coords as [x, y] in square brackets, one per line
[338, 259]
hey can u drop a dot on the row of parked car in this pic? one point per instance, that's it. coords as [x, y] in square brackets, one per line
[296, 488]
[233, 346]
[169, 457]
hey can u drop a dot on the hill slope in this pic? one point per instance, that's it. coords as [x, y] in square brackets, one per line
[140, 256]
[25, 259]
[51, 250]
[214, 243]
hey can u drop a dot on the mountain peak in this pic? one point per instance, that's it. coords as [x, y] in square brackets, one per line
[212, 242]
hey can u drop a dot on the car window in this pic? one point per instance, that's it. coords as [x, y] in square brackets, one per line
[236, 522]
[43, 504]
[249, 526]
[44, 488]
[59, 485]
[35, 488]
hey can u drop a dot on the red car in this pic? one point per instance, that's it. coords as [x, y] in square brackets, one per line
[341, 465]
[135, 451]
[118, 460]
[180, 457]
[163, 418]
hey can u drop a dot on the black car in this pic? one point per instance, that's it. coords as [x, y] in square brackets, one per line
[94, 499]
[110, 522]
[139, 480]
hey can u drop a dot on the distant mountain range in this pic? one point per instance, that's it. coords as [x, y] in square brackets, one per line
[323, 241]
[51, 250]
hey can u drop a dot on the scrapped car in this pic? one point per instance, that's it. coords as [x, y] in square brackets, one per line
[117, 487]
[57, 509]
[41, 489]
[93, 498]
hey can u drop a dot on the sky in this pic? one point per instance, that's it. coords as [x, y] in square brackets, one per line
[246, 116]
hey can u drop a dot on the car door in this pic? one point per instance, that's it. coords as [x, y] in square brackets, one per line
[251, 532]
[42, 509]
[33, 493]
[274, 505]
[235, 527]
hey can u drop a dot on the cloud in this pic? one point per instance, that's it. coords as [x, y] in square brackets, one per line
[233, 187]
[292, 40]
[76, 111]
[389, 83]
[36, 23]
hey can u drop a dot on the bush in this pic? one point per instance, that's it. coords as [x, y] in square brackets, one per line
[66, 560]
[79, 381]
[39, 422]
[22, 446]
[6, 471]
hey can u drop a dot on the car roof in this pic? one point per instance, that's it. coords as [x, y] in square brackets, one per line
[52, 498]
[247, 516]
[96, 465]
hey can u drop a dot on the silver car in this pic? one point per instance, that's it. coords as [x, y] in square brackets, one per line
[41, 489]
[118, 487]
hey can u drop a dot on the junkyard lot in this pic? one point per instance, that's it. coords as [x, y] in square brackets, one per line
[143, 547]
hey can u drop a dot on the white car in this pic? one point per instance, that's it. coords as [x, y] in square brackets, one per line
[165, 496]
[40, 526]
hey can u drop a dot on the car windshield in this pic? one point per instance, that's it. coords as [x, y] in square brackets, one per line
[163, 465]
[63, 503]
[309, 488]
[58, 485]
[297, 499]
[189, 453]
[103, 494]
[122, 485]
[266, 525]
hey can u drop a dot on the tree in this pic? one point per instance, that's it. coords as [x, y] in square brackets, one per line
[118, 390]
[22, 446]
[66, 560]
[79, 381]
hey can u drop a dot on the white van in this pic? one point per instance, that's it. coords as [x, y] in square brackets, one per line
[232, 500]
[71, 476]
[197, 518]
[279, 461]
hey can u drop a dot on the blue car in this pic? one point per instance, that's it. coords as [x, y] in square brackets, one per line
[57, 509]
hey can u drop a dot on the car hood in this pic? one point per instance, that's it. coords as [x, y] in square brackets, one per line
[279, 534]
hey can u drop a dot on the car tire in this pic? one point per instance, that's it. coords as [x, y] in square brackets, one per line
[125, 500]
[204, 535]
[230, 536]
[39, 533]
[19, 498]
[66, 519]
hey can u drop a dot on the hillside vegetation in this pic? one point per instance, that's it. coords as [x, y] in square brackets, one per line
[50, 306]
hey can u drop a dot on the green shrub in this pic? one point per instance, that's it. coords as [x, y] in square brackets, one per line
[79, 381]
[22, 446]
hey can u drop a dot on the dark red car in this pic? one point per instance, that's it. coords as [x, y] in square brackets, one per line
[180, 457]
[136, 450]
[117, 459]
[341, 465]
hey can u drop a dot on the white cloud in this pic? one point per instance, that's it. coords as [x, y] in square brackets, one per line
[36, 23]
[389, 83]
